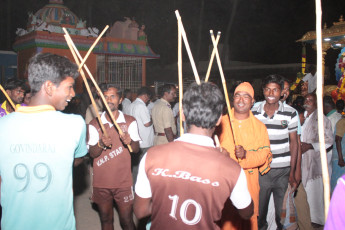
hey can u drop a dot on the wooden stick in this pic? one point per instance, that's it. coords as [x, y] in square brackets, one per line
[212, 55]
[184, 36]
[216, 140]
[87, 86]
[97, 88]
[8, 97]
[319, 94]
[91, 48]
[225, 88]
[179, 64]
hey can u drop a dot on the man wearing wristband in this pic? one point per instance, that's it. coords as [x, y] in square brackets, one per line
[112, 178]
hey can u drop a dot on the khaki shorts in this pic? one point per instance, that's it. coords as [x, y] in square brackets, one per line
[122, 196]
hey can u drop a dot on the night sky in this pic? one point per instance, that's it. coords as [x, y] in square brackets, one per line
[262, 31]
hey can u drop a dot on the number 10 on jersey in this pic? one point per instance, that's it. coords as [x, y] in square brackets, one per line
[184, 208]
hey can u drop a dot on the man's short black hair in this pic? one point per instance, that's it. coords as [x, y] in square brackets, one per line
[340, 105]
[49, 67]
[145, 90]
[106, 86]
[273, 78]
[166, 88]
[328, 101]
[299, 101]
[202, 105]
[12, 84]
[126, 91]
[299, 109]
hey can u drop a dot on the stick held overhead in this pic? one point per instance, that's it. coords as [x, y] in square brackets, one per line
[212, 55]
[224, 87]
[184, 36]
[91, 48]
[74, 48]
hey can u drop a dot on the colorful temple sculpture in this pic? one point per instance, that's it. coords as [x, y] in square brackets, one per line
[333, 37]
[120, 57]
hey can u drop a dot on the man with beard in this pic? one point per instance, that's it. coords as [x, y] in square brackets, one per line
[252, 152]
[311, 160]
[15, 89]
[112, 178]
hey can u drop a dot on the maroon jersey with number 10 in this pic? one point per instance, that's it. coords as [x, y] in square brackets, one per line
[190, 184]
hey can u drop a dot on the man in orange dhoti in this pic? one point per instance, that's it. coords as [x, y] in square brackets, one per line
[252, 152]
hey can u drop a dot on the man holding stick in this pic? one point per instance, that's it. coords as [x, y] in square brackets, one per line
[184, 184]
[281, 123]
[15, 89]
[112, 178]
[252, 152]
[36, 164]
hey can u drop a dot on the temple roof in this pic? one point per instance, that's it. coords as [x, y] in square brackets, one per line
[56, 13]
[335, 34]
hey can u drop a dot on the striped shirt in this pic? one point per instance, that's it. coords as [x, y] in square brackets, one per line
[279, 126]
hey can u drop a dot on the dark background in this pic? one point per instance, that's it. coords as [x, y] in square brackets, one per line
[262, 31]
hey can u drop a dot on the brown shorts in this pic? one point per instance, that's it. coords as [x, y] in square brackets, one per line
[122, 196]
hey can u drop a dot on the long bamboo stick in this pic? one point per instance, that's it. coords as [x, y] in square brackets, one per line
[97, 87]
[212, 56]
[87, 87]
[184, 36]
[179, 65]
[224, 87]
[319, 94]
[8, 97]
[91, 48]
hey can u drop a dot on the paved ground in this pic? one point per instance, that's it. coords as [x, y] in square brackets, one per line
[85, 212]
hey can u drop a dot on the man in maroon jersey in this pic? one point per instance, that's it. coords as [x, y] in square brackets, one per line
[184, 184]
[112, 178]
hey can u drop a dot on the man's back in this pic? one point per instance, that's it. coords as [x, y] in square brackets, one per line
[141, 113]
[37, 151]
[185, 196]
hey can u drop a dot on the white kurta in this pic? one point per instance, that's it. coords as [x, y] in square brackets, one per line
[311, 165]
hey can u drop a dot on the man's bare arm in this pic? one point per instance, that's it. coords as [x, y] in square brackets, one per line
[293, 161]
[298, 171]
[341, 162]
[169, 134]
[142, 207]
[148, 124]
[96, 150]
[78, 161]
[246, 213]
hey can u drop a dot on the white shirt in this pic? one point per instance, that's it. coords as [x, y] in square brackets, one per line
[125, 105]
[150, 106]
[141, 113]
[311, 81]
[316, 146]
[334, 117]
[240, 196]
[132, 129]
[176, 109]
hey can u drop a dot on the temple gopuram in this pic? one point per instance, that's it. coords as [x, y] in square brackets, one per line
[119, 57]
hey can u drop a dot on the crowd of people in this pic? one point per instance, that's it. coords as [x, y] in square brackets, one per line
[266, 172]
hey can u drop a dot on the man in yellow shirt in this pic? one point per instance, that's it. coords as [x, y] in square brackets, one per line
[15, 89]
